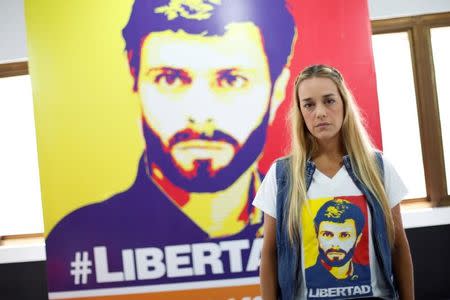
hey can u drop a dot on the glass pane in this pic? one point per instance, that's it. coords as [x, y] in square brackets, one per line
[398, 109]
[440, 42]
[20, 200]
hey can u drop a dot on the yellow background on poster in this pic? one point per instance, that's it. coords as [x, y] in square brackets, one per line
[87, 117]
[308, 214]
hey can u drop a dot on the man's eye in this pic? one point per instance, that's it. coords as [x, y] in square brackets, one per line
[169, 77]
[227, 80]
[171, 80]
[327, 234]
[345, 235]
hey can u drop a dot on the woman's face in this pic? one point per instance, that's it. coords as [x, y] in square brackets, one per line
[322, 108]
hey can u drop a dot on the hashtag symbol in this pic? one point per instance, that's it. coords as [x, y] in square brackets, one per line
[81, 267]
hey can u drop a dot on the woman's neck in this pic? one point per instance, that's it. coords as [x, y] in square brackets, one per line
[328, 157]
[332, 149]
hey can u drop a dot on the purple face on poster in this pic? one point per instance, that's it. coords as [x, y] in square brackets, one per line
[210, 75]
[275, 34]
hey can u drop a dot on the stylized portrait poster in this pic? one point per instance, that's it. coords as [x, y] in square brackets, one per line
[156, 122]
[336, 248]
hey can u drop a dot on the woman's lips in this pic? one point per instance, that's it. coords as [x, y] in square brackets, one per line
[322, 125]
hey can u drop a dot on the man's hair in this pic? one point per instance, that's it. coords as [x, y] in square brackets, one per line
[338, 211]
[271, 17]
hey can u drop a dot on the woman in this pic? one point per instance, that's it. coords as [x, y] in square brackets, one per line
[332, 223]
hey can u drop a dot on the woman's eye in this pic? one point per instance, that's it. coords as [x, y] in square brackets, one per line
[330, 101]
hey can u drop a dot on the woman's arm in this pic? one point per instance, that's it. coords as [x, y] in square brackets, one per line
[401, 258]
[268, 267]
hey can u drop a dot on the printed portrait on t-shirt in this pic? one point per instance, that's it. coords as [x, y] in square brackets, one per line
[336, 248]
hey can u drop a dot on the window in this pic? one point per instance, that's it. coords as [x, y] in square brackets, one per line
[398, 109]
[415, 49]
[440, 42]
[20, 201]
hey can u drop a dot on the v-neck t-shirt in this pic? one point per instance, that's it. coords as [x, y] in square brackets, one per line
[340, 245]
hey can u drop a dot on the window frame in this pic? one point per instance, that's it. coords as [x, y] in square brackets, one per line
[13, 69]
[419, 32]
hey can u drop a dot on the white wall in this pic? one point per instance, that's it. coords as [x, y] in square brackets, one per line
[385, 9]
[12, 21]
[12, 30]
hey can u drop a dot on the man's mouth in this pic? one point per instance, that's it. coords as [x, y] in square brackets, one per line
[201, 145]
[335, 255]
[188, 139]
[188, 152]
[198, 149]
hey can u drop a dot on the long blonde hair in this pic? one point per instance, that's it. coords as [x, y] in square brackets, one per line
[356, 143]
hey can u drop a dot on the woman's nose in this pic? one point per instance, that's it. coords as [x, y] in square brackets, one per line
[321, 111]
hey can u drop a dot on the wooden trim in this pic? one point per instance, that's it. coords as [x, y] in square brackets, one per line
[392, 25]
[407, 23]
[22, 236]
[413, 204]
[21, 239]
[13, 69]
[429, 121]
[446, 201]
[436, 20]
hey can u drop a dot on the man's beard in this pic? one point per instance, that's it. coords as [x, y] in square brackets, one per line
[203, 178]
[337, 263]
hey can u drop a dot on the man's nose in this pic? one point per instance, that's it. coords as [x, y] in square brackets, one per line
[201, 106]
[199, 115]
[207, 126]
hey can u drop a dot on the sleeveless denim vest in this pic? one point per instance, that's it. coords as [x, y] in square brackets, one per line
[289, 256]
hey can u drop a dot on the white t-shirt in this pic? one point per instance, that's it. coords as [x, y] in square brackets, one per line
[343, 242]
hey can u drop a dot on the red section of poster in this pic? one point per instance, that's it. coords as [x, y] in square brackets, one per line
[337, 33]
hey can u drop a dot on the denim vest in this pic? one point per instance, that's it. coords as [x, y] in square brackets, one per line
[289, 256]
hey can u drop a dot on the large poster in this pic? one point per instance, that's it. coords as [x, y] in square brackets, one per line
[156, 122]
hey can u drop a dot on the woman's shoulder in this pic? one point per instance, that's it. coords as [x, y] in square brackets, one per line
[385, 160]
[277, 163]
[279, 169]
[388, 168]
[282, 161]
